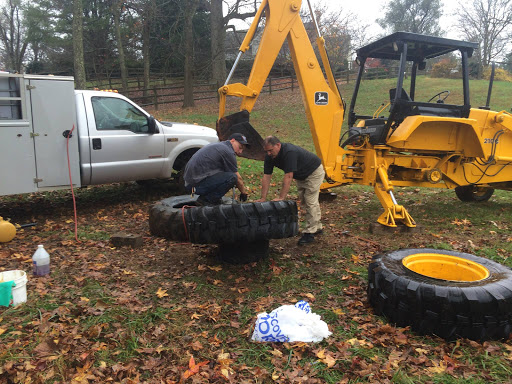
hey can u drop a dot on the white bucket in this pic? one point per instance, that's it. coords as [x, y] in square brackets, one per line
[19, 292]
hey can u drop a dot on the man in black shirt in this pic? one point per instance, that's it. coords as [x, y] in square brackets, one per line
[213, 171]
[307, 170]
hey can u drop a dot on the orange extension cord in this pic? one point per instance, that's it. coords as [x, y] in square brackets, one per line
[71, 183]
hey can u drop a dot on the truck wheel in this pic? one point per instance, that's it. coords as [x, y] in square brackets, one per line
[226, 223]
[443, 293]
[243, 253]
[470, 193]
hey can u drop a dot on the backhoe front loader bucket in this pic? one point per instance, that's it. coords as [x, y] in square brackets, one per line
[239, 123]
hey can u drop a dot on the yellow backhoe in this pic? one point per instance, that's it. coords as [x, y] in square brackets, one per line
[405, 142]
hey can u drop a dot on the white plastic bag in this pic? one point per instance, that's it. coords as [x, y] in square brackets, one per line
[290, 323]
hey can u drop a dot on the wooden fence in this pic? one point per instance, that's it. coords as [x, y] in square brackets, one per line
[161, 93]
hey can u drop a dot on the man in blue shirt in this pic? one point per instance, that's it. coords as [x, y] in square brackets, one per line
[307, 170]
[213, 171]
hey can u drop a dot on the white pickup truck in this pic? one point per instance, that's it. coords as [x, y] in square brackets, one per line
[113, 139]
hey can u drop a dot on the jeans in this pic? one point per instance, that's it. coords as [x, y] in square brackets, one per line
[214, 187]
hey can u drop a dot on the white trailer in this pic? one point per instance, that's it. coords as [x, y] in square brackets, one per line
[113, 139]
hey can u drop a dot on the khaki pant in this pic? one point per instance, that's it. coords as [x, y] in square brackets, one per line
[309, 190]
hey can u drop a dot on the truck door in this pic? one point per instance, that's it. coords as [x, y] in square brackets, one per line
[17, 158]
[53, 112]
[122, 149]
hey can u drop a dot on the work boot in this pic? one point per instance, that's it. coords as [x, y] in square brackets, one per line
[319, 232]
[306, 238]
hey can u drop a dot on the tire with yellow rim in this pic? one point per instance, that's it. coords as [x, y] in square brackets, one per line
[444, 293]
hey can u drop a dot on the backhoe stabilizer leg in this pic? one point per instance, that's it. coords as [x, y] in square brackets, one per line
[393, 212]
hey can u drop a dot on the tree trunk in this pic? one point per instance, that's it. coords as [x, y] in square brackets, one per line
[12, 35]
[145, 54]
[218, 37]
[190, 9]
[117, 8]
[78, 45]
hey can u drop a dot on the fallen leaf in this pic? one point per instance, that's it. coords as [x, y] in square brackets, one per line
[438, 367]
[161, 292]
[310, 296]
[329, 361]
[196, 345]
[224, 361]
[193, 368]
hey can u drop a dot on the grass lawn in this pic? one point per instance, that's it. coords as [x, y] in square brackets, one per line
[127, 315]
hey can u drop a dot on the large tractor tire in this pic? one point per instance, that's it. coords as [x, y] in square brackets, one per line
[470, 193]
[179, 218]
[443, 293]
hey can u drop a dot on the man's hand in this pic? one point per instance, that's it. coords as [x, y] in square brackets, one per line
[243, 197]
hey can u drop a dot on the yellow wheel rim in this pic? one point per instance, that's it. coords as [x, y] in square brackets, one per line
[445, 267]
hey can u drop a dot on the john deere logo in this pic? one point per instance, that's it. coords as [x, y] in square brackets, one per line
[321, 98]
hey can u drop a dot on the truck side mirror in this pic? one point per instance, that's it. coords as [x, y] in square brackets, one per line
[151, 125]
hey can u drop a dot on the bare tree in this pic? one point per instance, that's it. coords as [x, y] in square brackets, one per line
[117, 8]
[218, 36]
[342, 30]
[487, 22]
[12, 35]
[147, 10]
[190, 9]
[241, 10]
[78, 44]
[418, 16]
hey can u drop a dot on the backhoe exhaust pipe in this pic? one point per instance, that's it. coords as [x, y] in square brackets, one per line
[487, 106]
[491, 81]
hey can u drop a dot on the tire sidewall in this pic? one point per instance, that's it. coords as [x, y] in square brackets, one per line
[477, 310]
[180, 218]
[393, 262]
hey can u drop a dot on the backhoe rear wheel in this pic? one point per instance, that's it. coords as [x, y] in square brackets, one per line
[444, 293]
[469, 193]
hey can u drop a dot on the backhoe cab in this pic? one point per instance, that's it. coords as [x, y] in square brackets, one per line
[411, 52]
[438, 142]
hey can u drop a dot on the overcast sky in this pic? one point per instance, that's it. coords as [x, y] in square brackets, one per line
[369, 10]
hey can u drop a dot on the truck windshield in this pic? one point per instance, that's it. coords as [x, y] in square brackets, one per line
[116, 114]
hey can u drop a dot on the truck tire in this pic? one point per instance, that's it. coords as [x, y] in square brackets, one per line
[226, 223]
[443, 293]
[243, 253]
[469, 193]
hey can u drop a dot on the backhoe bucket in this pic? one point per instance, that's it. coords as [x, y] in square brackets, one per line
[239, 123]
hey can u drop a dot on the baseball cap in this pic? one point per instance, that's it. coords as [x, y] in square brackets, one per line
[240, 138]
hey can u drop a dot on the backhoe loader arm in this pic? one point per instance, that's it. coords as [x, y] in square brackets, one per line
[323, 103]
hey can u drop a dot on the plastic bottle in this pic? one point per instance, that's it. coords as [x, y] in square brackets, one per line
[41, 261]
